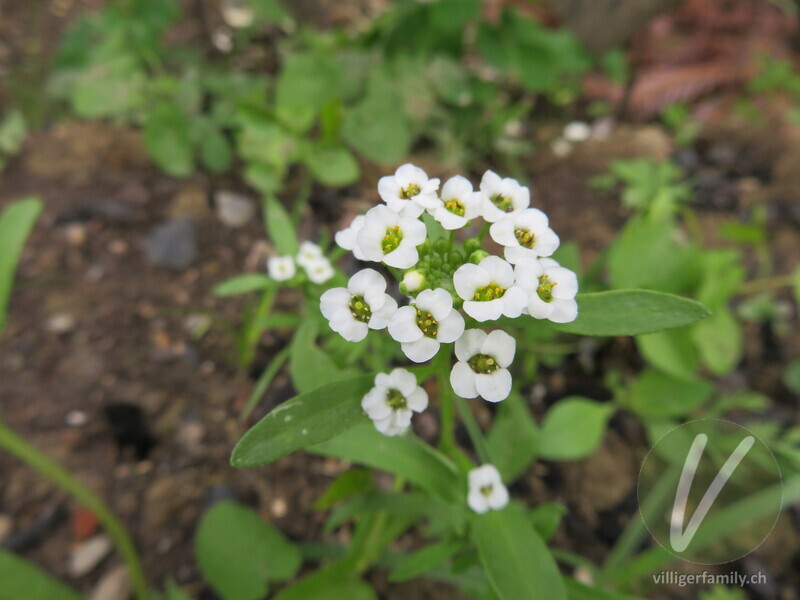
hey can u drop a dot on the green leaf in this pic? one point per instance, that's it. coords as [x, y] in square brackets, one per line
[303, 421]
[242, 284]
[332, 165]
[12, 132]
[573, 428]
[404, 456]
[672, 351]
[791, 376]
[330, 583]
[22, 579]
[632, 312]
[546, 518]
[517, 562]
[514, 439]
[239, 552]
[656, 395]
[280, 227]
[167, 136]
[309, 366]
[378, 127]
[347, 485]
[719, 341]
[16, 222]
[215, 151]
[422, 561]
[109, 87]
[309, 79]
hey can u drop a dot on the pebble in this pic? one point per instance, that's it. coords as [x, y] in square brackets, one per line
[60, 323]
[114, 585]
[173, 244]
[233, 209]
[87, 555]
[6, 527]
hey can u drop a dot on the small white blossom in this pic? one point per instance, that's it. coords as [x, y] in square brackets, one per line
[577, 131]
[551, 289]
[488, 289]
[409, 191]
[486, 490]
[309, 252]
[524, 234]
[347, 238]
[413, 281]
[482, 367]
[362, 305]
[390, 238]
[392, 401]
[281, 268]
[460, 204]
[502, 196]
[423, 326]
[319, 270]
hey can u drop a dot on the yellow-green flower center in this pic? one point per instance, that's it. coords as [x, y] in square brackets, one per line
[483, 364]
[525, 238]
[392, 239]
[427, 324]
[455, 207]
[545, 289]
[488, 292]
[360, 309]
[396, 400]
[486, 490]
[411, 190]
[504, 203]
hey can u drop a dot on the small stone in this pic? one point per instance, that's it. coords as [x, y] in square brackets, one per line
[76, 418]
[118, 247]
[114, 585]
[60, 323]
[6, 527]
[233, 209]
[87, 555]
[75, 233]
[279, 508]
[173, 244]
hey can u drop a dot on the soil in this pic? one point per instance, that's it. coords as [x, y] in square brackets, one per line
[126, 374]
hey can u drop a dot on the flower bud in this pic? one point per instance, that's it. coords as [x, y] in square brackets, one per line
[471, 245]
[477, 256]
[413, 281]
[441, 245]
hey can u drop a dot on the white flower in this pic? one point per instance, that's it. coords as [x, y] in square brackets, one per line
[524, 234]
[390, 238]
[391, 402]
[413, 281]
[422, 326]
[488, 289]
[482, 367]
[347, 237]
[460, 204]
[551, 289]
[502, 196]
[281, 268]
[577, 131]
[319, 270]
[309, 252]
[409, 191]
[362, 305]
[486, 490]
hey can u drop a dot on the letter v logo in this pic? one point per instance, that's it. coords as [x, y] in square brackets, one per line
[679, 538]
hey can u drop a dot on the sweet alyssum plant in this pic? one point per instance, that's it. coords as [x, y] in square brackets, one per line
[455, 287]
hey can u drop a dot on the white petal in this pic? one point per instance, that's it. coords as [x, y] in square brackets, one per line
[451, 327]
[369, 240]
[381, 317]
[564, 311]
[414, 231]
[457, 188]
[403, 325]
[500, 346]
[490, 183]
[438, 302]
[468, 278]
[423, 349]
[351, 330]
[484, 311]
[503, 232]
[494, 387]
[566, 283]
[538, 308]
[374, 404]
[485, 475]
[517, 254]
[498, 270]
[469, 344]
[546, 242]
[477, 501]
[490, 213]
[408, 173]
[427, 200]
[403, 381]
[417, 400]
[462, 380]
[410, 209]
[382, 380]
[365, 281]
[514, 301]
[281, 268]
[527, 273]
[346, 238]
[333, 301]
[386, 426]
[402, 418]
[498, 498]
[532, 219]
[473, 205]
[388, 188]
[449, 220]
[404, 257]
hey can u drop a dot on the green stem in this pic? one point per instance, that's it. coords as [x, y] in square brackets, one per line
[447, 435]
[764, 284]
[474, 430]
[254, 326]
[263, 383]
[47, 467]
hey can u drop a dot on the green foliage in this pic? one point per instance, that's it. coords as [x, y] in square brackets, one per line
[16, 223]
[260, 554]
[22, 579]
[12, 134]
[280, 227]
[573, 429]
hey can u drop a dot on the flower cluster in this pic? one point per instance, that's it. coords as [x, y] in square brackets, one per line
[315, 264]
